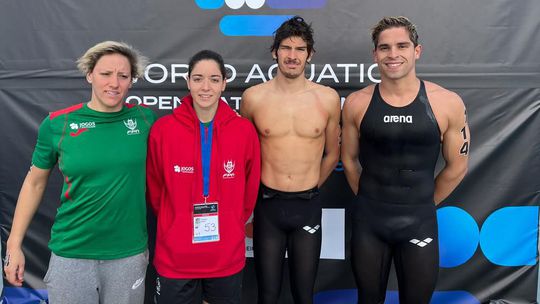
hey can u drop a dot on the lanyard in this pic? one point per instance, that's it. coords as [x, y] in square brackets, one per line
[206, 155]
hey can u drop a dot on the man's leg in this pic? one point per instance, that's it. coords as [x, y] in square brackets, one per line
[304, 250]
[417, 259]
[269, 251]
[371, 256]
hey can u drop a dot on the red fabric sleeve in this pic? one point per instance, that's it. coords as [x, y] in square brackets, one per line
[253, 172]
[154, 171]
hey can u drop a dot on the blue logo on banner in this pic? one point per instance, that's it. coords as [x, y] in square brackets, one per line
[209, 4]
[246, 25]
[392, 297]
[509, 236]
[256, 25]
[458, 236]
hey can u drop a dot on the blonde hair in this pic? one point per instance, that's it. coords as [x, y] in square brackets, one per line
[137, 61]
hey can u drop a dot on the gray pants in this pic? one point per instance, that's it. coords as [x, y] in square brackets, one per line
[84, 281]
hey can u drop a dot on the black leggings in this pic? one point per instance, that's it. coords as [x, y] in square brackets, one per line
[405, 233]
[287, 221]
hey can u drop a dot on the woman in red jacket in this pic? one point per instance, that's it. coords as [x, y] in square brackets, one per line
[203, 170]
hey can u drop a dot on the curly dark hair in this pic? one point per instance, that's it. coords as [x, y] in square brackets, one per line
[296, 26]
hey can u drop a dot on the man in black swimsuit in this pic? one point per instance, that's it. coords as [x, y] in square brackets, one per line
[392, 135]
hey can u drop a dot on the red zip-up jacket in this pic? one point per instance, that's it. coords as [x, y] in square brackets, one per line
[175, 184]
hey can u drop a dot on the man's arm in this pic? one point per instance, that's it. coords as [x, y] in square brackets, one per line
[349, 143]
[331, 144]
[245, 105]
[455, 150]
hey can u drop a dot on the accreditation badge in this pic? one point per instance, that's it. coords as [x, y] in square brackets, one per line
[205, 223]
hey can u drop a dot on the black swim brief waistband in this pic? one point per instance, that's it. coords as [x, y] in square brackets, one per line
[268, 193]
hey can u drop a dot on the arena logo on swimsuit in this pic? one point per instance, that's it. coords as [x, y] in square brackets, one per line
[256, 25]
[333, 234]
[397, 119]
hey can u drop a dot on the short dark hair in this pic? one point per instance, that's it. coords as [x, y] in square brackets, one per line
[390, 22]
[207, 55]
[296, 26]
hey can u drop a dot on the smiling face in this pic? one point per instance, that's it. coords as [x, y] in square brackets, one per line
[206, 83]
[396, 54]
[292, 56]
[110, 80]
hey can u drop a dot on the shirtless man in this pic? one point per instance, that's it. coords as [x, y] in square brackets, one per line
[392, 135]
[298, 125]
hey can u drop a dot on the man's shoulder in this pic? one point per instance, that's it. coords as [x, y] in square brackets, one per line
[362, 96]
[254, 96]
[257, 89]
[357, 103]
[438, 92]
[442, 97]
[325, 92]
[364, 93]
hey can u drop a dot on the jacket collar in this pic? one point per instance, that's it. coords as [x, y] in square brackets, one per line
[186, 112]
